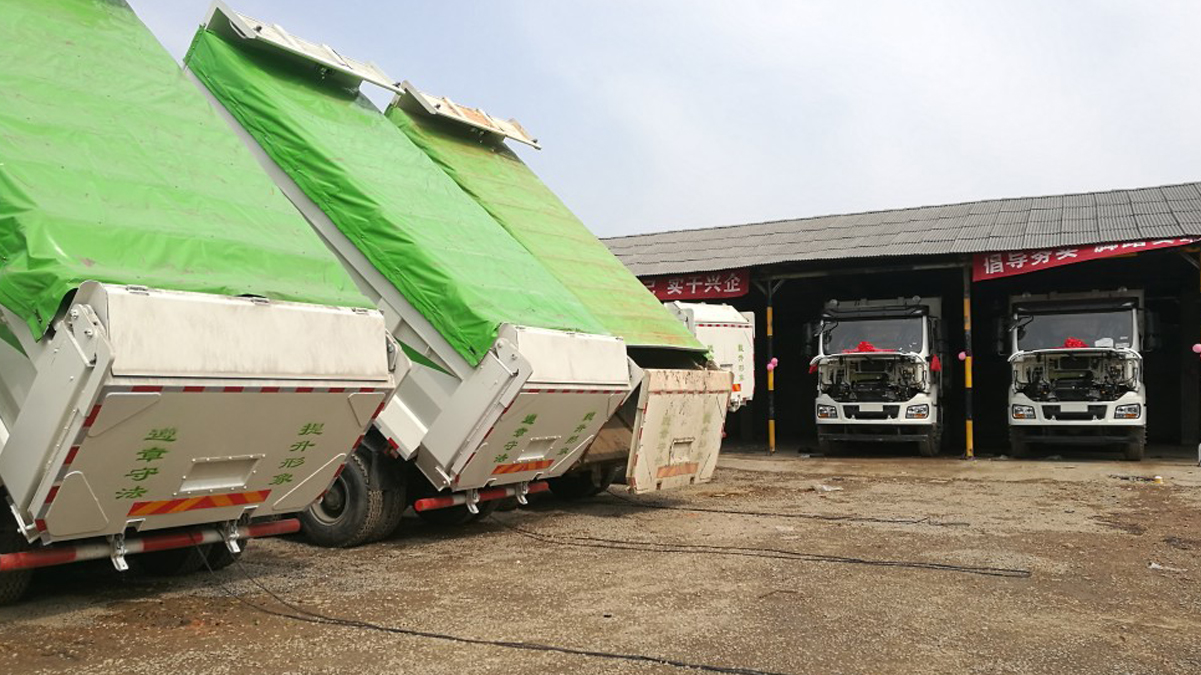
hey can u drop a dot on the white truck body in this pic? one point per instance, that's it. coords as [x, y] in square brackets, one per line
[879, 372]
[143, 409]
[527, 412]
[730, 337]
[1076, 368]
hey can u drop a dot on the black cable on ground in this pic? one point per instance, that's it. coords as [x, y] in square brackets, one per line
[309, 616]
[775, 514]
[756, 552]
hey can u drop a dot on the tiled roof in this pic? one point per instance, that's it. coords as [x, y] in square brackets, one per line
[972, 227]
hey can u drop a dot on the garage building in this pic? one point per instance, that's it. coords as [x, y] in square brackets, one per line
[983, 251]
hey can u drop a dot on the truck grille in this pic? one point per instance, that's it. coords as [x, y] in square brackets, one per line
[1054, 412]
[889, 412]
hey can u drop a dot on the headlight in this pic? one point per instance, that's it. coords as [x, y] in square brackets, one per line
[827, 412]
[1023, 412]
[1130, 411]
[917, 412]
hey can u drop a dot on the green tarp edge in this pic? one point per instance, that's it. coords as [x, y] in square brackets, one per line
[114, 168]
[492, 174]
[459, 268]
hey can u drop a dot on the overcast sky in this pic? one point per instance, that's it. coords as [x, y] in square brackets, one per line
[665, 114]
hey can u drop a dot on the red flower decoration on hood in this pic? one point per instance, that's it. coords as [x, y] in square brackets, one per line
[865, 347]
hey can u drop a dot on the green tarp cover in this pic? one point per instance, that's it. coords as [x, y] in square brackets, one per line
[114, 168]
[436, 245]
[493, 174]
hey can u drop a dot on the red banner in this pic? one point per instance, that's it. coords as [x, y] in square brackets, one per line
[987, 266]
[702, 286]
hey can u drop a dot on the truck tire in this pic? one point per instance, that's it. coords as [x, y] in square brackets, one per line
[1134, 450]
[507, 504]
[349, 512]
[174, 562]
[583, 484]
[395, 503]
[13, 585]
[455, 516]
[827, 447]
[219, 557]
[1018, 447]
[928, 446]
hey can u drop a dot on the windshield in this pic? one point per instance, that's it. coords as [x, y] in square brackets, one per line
[868, 335]
[1113, 329]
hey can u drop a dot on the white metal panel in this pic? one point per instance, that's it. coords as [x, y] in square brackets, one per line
[71, 372]
[733, 348]
[678, 428]
[730, 337]
[413, 100]
[540, 435]
[701, 312]
[570, 359]
[249, 28]
[186, 455]
[177, 334]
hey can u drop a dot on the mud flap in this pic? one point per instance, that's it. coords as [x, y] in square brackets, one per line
[677, 428]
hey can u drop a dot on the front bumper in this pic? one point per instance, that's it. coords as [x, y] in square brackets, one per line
[1077, 423]
[875, 422]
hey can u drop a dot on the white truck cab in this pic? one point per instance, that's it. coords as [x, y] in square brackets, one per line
[730, 337]
[1077, 371]
[879, 373]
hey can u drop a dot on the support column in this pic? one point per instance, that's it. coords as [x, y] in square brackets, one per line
[769, 288]
[970, 447]
[771, 371]
[1190, 370]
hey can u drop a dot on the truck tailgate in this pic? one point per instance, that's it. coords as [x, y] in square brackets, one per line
[155, 456]
[677, 428]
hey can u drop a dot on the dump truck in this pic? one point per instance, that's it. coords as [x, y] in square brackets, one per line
[667, 433]
[513, 377]
[182, 361]
[1077, 366]
[730, 336]
[879, 373]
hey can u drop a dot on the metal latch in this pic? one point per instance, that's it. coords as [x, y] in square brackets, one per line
[230, 535]
[117, 554]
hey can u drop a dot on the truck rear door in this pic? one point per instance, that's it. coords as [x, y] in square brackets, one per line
[677, 428]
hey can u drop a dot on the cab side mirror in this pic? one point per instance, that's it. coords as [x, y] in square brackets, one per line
[1001, 337]
[809, 346]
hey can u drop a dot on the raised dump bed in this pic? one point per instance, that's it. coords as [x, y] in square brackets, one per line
[513, 376]
[668, 433]
[180, 353]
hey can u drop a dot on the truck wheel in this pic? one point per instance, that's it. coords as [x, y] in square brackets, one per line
[583, 484]
[219, 557]
[1135, 450]
[454, 516]
[827, 447]
[175, 562]
[12, 584]
[1018, 448]
[348, 513]
[928, 446]
[395, 503]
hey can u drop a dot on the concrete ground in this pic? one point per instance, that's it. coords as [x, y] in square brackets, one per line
[876, 564]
